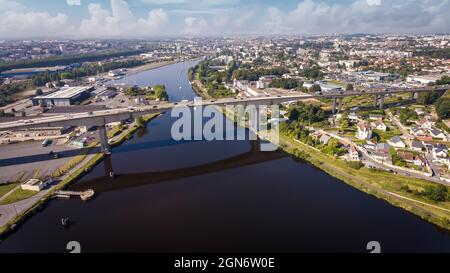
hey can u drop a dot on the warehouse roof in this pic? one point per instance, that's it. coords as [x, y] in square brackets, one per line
[66, 93]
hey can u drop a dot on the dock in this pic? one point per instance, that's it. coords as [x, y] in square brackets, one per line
[84, 195]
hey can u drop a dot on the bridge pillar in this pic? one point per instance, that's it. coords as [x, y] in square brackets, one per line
[413, 95]
[334, 105]
[375, 101]
[341, 103]
[381, 102]
[103, 139]
[109, 171]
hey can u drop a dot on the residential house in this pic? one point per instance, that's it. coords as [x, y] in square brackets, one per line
[439, 152]
[383, 147]
[418, 132]
[416, 146]
[353, 117]
[406, 156]
[325, 139]
[396, 142]
[383, 157]
[364, 131]
[426, 123]
[379, 125]
[353, 154]
[435, 133]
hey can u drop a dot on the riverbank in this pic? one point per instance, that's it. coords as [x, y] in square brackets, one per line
[381, 184]
[88, 163]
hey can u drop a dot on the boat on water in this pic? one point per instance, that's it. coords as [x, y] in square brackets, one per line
[65, 222]
[87, 195]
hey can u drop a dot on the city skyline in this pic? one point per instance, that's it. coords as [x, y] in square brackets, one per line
[168, 18]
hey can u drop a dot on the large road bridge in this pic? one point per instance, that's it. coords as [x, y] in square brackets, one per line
[100, 118]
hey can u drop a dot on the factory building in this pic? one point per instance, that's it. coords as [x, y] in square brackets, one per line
[65, 96]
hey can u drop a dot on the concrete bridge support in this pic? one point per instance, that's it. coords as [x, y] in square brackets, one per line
[334, 105]
[103, 139]
[382, 102]
[341, 103]
[109, 171]
[413, 95]
[375, 101]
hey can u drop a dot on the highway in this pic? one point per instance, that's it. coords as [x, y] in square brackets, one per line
[99, 118]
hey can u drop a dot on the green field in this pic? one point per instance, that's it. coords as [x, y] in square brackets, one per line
[5, 188]
[18, 195]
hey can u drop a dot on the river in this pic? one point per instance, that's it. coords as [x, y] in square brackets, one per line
[220, 196]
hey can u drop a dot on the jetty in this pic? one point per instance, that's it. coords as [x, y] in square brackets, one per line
[84, 195]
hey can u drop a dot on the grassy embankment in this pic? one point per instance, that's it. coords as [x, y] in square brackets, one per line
[395, 189]
[5, 188]
[126, 132]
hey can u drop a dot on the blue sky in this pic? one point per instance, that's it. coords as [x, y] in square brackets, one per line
[156, 18]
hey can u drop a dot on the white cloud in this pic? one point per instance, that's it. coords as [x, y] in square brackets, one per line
[369, 16]
[73, 2]
[374, 2]
[121, 21]
[17, 22]
[195, 26]
[216, 17]
[274, 21]
[207, 3]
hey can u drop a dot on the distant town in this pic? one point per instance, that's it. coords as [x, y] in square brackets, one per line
[376, 106]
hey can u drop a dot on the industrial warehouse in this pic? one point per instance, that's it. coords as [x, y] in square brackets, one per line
[64, 97]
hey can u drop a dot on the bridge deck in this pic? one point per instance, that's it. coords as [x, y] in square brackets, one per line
[99, 118]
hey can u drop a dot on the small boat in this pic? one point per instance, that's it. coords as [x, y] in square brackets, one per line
[65, 222]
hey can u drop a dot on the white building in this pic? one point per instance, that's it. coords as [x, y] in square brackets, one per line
[35, 185]
[424, 79]
[364, 131]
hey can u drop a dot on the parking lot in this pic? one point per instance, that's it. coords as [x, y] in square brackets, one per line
[29, 159]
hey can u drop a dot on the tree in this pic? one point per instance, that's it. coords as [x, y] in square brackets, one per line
[315, 88]
[428, 98]
[293, 113]
[438, 194]
[140, 122]
[160, 92]
[443, 107]
[284, 83]
[443, 81]
[39, 92]
[344, 123]
[407, 114]
[349, 87]
[313, 73]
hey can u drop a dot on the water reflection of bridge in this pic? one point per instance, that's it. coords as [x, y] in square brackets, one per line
[123, 181]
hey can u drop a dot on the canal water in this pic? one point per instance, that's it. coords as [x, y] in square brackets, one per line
[220, 196]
